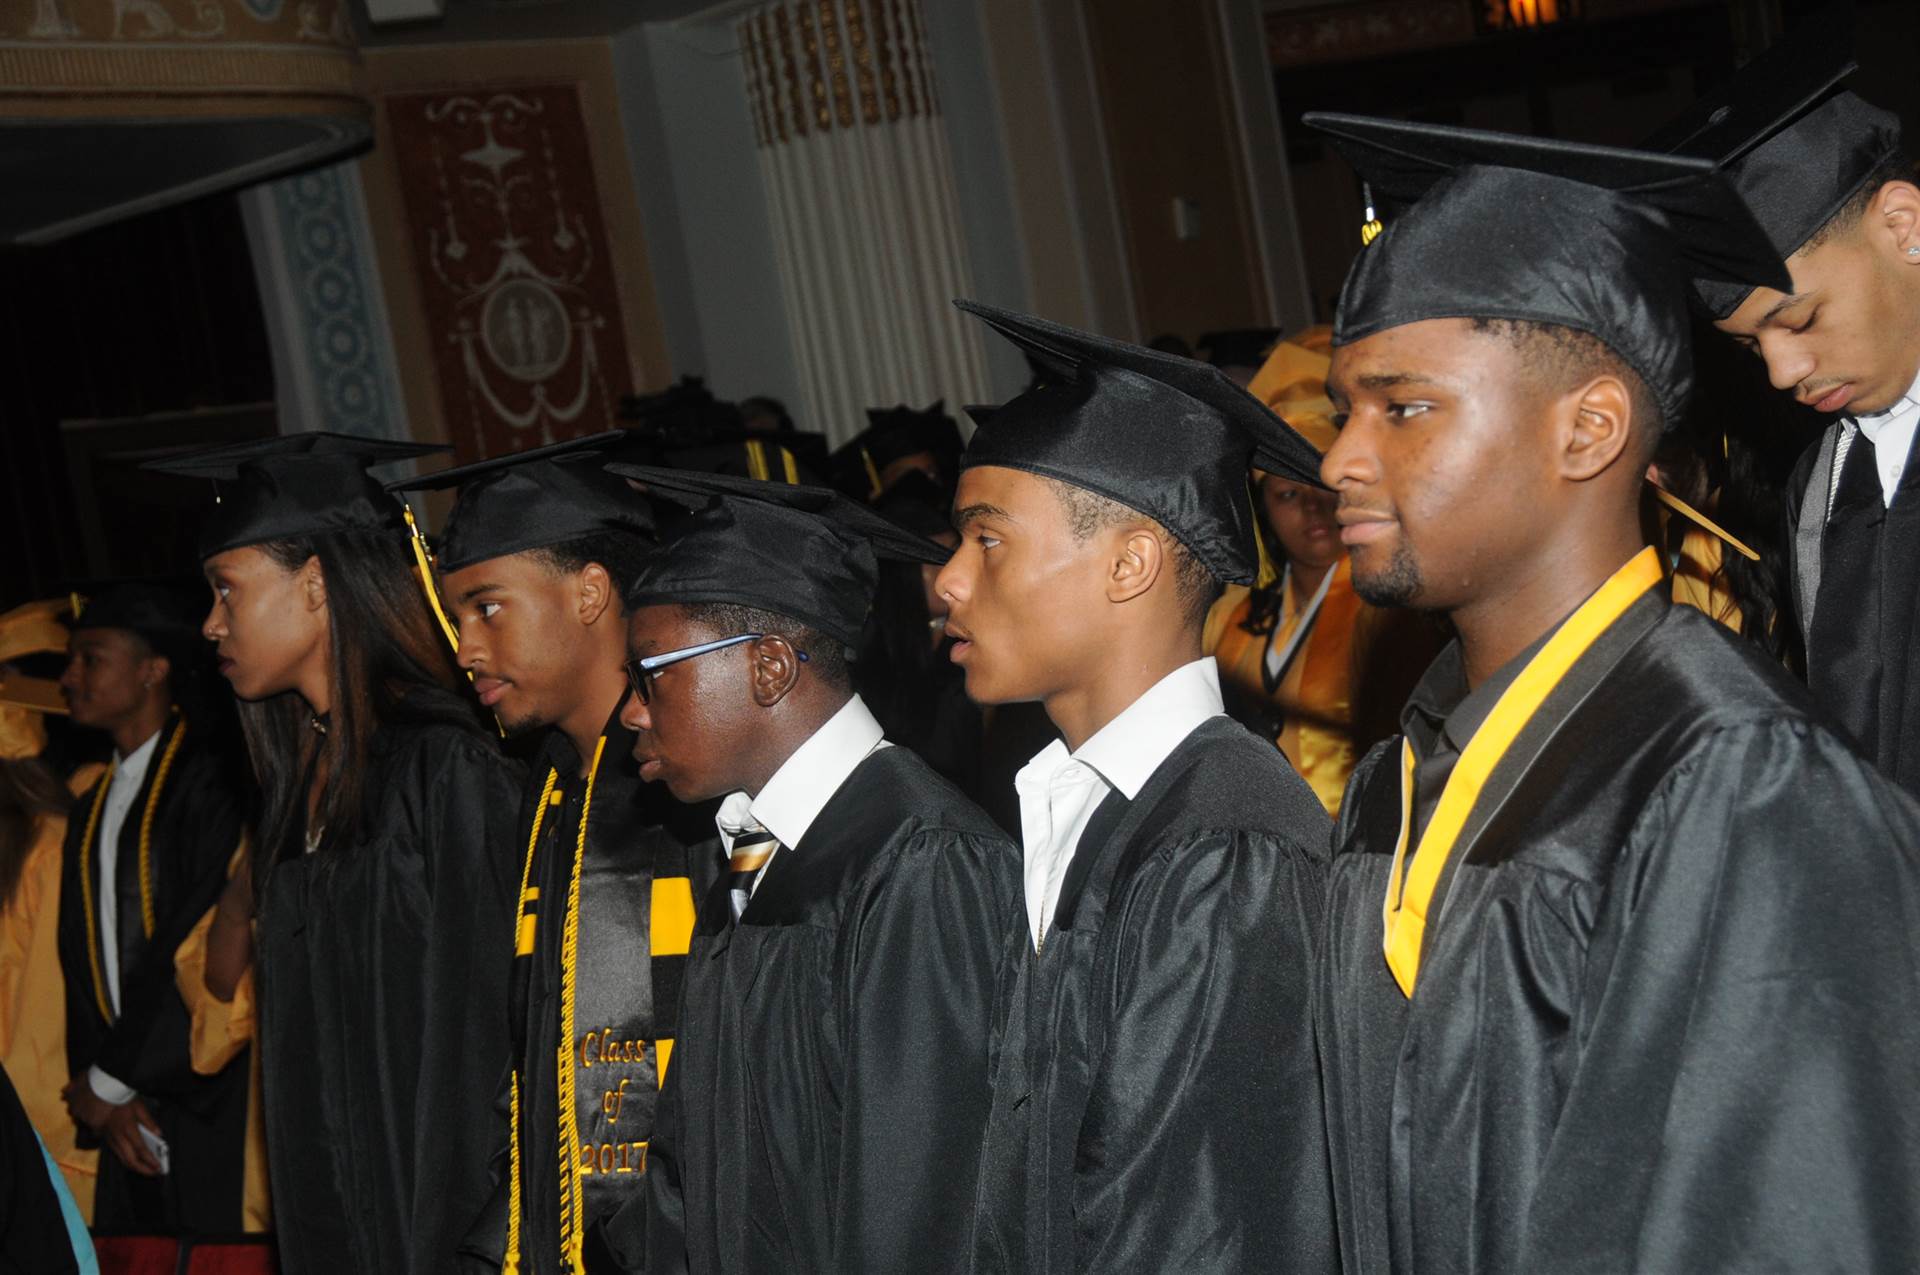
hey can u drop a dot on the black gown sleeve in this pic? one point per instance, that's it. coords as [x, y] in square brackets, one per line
[1744, 1098]
[470, 798]
[33, 1231]
[916, 973]
[1203, 1145]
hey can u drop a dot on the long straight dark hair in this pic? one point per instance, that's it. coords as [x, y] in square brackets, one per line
[29, 790]
[389, 664]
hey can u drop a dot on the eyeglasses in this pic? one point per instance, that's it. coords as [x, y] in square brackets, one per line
[640, 672]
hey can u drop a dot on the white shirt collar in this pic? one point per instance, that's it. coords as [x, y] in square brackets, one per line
[133, 767]
[807, 780]
[1128, 749]
[1891, 433]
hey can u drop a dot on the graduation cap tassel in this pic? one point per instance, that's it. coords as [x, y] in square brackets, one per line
[424, 563]
[1699, 519]
[1370, 231]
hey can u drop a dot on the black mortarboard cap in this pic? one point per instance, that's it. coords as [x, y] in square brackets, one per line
[1796, 146]
[919, 504]
[737, 453]
[1170, 437]
[293, 485]
[534, 499]
[162, 611]
[808, 553]
[1239, 347]
[1496, 226]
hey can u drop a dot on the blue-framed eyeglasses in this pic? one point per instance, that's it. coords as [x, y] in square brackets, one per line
[640, 672]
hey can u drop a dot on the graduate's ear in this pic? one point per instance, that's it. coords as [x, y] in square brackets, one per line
[154, 671]
[593, 593]
[776, 669]
[1140, 559]
[1594, 428]
[1897, 210]
[312, 583]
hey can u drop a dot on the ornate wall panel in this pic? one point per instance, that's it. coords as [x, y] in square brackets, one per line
[511, 258]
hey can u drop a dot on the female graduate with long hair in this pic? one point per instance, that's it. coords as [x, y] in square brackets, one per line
[385, 845]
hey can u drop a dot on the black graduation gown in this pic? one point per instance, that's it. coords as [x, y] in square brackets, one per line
[196, 828]
[824, 1105]
[383, 1008]
[640, 845]
[1863, 664]
[33, 1231]
[1664, 1015]
[1155, 1103]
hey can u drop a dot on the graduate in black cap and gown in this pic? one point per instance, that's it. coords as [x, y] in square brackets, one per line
[385, 861]
[826, 1099]
[1155, 1106]
[1831, 185]
[1619, 965]
[146, 855]
[896, 442]
[532, 564]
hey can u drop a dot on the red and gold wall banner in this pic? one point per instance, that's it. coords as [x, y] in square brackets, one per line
[510, 255]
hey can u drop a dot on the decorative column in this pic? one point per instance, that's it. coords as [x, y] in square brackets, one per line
[333, 363]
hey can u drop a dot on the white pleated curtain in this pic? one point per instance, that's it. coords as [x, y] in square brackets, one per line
[861, 195]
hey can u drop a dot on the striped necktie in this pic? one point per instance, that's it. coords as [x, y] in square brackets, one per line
[752, 847]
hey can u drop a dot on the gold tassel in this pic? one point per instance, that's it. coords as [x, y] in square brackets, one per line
[424, 562]
[1705, 523]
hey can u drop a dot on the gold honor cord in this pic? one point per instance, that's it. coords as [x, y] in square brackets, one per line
[524, 933]
[1405, 914]
[86, 890]
[572, 1191]
[146, 829]
[1700, 520]
[873, 474]
[145, 861]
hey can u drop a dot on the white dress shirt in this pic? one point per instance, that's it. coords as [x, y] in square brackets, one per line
[128, 774]
[1891, 433]
[1059, 791]
[805, 782]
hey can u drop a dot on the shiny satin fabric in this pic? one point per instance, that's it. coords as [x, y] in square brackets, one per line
[33, 1020]
[535, 499]
[1484, 225]
[1663, 1020]
[1310, 713]
[1799, 178]
[196, 827]
[627, 999]
[1863, 664]
[1167, 436]
[824, 1107]
[1155, 1099]
[292, 485]
[383, 1010]
[1578, 257]
[807, 553]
